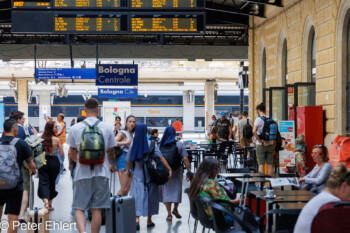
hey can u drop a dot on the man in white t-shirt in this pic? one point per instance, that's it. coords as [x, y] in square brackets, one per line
[264, 149]
[91, 183]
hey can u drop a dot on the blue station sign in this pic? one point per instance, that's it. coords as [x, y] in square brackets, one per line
[116, 75]
[65, 73]
[117, 93]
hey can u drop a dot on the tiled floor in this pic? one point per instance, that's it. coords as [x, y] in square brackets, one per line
[62, 204]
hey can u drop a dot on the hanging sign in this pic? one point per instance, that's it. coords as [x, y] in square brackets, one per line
[116, 75]
[65, 73]
[117, 93]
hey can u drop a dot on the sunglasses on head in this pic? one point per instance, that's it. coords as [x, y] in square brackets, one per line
[320, 145]
[346, 176]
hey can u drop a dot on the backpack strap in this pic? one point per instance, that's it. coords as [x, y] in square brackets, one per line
[13, 143]
[94, 125]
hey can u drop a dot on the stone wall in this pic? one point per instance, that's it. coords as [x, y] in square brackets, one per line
[292, 22]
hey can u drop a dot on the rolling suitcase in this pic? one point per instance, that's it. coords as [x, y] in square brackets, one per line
[37, 218]
[121, 216]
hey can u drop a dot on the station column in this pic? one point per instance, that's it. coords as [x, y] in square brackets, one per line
[44, 107]
[22, 92]
[209, 101]
[188, 111]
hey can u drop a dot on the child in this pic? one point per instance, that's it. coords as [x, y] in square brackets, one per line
[300, 147]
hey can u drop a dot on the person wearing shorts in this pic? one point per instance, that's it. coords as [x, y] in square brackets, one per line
[91, 185]
[264, 149]
[12, 198]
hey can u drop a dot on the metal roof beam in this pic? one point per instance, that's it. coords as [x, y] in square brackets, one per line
[212, 6]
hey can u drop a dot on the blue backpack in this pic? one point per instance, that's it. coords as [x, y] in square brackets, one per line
[270, 129]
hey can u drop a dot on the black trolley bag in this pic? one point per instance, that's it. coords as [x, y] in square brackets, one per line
[37, 218]
[121, 216]
[244, 213]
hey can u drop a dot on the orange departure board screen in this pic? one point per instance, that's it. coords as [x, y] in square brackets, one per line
[86, 4]
[88, 24]
[164, 4]
[166, 23]
[31, 4]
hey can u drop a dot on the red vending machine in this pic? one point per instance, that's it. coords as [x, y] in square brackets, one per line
[310, 123]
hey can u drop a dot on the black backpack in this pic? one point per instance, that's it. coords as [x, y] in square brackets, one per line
[270, 129]
[247, 130]
[171, 155]
[157, 171]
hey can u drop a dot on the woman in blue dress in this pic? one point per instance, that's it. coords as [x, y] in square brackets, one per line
[171, 192]
[146, 193]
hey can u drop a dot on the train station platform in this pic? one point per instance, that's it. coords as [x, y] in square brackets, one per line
[62, 213]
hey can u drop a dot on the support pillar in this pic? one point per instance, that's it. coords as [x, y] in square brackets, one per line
[44, 108]
[188, 111]
[209, 101]
[22, 93]
[241, 101]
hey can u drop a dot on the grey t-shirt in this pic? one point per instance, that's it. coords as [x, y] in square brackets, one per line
[241, 124]
[74, 138]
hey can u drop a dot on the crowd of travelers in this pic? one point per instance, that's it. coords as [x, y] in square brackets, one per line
[97, 150]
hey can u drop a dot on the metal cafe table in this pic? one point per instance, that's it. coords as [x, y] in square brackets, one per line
[281, 197]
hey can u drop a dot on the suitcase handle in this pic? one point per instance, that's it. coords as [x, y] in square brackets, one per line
[112, 183]
[31, 192]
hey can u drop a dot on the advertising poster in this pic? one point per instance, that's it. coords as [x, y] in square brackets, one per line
[286, 156]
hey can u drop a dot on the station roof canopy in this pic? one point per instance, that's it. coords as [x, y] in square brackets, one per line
[227, 23]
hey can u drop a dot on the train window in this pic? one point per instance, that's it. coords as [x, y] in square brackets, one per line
[160, 121]
[197, 119]
[140, 120]
[199, 100]
[33, 111]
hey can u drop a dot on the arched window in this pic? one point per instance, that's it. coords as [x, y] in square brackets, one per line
[313, 57]
[285, 63]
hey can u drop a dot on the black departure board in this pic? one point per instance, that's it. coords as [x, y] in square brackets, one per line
[165, 23]
[18, 4]
[89, 4]
[87, 24]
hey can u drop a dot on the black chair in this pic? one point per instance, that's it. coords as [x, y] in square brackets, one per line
[220, 225]
[193, 212]
[285, 222]
[203, 217]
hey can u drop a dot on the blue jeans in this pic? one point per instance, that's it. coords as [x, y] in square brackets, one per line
[121, 162]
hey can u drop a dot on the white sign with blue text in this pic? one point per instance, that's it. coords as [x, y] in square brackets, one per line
[116, 75]
[117, 93]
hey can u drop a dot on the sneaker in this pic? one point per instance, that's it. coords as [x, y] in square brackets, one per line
[305, 168]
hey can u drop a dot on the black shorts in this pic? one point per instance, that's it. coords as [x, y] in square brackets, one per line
[13, 200]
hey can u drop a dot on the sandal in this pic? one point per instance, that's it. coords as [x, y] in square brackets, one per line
[169, 218]
[49, 207]
[176, 213]
[151, 225]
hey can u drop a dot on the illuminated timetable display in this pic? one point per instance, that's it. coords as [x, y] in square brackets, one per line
[82, 24]
[166, 4]
[31, 4]
[85, 4]
[166, 23]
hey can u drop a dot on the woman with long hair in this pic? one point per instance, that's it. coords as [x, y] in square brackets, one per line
[204, 185]
[172, 190]
[145, 192]
[49, 172]
[213, 135]
[124, 139]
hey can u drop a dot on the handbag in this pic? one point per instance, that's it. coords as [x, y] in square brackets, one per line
[304, 186]
[118, 151]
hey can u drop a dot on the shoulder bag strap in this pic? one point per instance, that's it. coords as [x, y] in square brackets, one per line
[319, 169]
